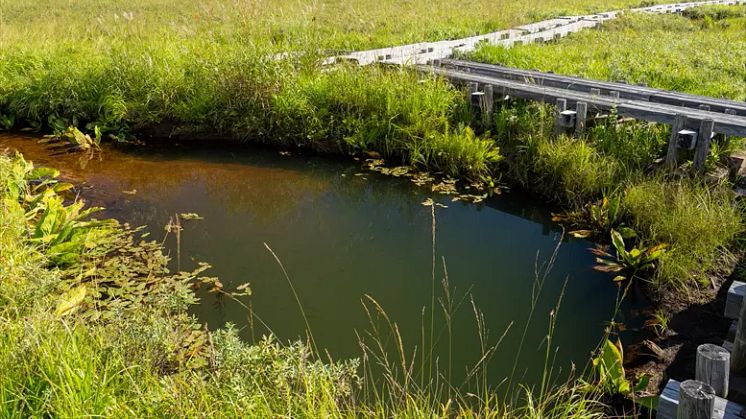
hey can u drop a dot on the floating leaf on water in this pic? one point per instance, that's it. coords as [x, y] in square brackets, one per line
[191, 216]
[284, 153]
[373, 154]
[70, 301]
[132, 192]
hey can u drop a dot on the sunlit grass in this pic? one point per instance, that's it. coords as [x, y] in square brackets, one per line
[697, 54]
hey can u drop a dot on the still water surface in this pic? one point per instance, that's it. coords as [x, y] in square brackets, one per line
[342, 236]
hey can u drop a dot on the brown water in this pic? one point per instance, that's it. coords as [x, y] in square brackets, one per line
[342, 236]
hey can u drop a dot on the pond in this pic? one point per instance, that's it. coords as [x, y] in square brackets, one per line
[343, 234]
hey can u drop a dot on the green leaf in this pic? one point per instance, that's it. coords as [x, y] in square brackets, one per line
[642, 383]
[70, 301]
[41, 172]
[627, 232]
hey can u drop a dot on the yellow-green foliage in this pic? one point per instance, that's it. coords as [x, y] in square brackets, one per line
[697, 221]
[574, 168]
[284, 25]
[702, 56]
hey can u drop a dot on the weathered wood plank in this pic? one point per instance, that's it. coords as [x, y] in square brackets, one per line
[673, 150]
[704, 137]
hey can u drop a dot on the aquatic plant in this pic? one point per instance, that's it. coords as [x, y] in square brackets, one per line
[626, 262]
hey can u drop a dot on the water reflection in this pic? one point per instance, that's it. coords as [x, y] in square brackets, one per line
[343, 236]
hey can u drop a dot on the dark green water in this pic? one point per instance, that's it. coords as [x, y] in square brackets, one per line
[342, 237]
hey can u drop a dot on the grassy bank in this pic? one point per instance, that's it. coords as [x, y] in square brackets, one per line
[144, 66]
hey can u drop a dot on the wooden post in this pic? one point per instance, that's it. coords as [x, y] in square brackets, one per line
[738, 354]
[614, 94]
[582, 113]
[704, 136]
[696, 400]
[477, 99]
[489, 99]
[561, 107]
[596, 92]
[704, 107]
[673, 152]
[713, 367]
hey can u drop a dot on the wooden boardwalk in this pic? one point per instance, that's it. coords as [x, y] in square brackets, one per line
[547, 30]
[574, 91]
[625, 91]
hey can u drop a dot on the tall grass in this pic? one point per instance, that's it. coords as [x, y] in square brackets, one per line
[698, 221]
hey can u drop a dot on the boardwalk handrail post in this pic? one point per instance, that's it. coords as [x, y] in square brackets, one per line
[704, 137]
[696, 400]
[672, 155]
[713, 367]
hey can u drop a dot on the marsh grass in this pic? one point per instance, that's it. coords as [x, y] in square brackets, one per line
[699, 222]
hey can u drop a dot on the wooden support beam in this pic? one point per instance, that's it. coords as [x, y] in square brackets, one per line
[596, 92]
[704, 137]
[713, 367]
[673, 152]
[614, 94]
[580, 119]
[696, 400]
[489, 99]
[704, 107]
[561, 106]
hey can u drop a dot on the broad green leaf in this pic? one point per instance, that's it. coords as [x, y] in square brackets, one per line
[70, 301]
[41, 172]
[618, 241]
